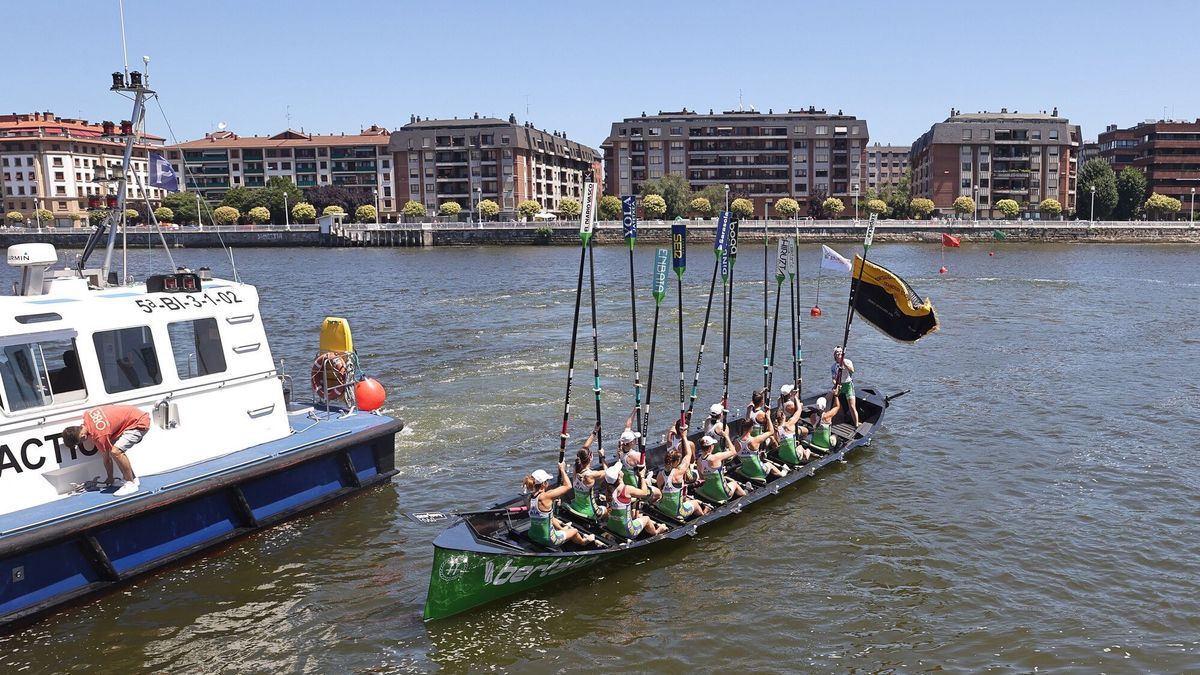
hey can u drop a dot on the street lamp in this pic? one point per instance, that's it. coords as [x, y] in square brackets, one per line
[726, 196]
[1092, 208]
[1192, 208]
[287, 221]
[855, 188]
[375, 196]
[478, 207]
[37, 208]
[975, 203]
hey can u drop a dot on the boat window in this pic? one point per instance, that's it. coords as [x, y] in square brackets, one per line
[197, 347]
[40, 373]
[127, 359]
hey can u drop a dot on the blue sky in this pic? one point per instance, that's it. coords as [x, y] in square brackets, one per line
[338, 66]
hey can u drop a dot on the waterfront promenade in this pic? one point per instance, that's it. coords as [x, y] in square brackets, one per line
[427, 234]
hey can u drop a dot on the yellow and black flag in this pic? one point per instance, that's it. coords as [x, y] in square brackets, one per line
[887, 302]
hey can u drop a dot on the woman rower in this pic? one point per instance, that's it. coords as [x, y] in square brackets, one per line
[623, 517]
[785, 432]
[544, 528]
[749, 447]
[716, 486]
[583, 503]
[757, 405]
[676, 473]
[818, 424]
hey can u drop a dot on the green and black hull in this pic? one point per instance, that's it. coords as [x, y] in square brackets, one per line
[487, 556]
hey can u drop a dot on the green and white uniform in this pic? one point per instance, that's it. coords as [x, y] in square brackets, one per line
[619, 518]
[713, 487]
[672, 502]
[787, 446]
[541, 527]
[820, 433]
[582, 503]
[846, 384]
[750, 463]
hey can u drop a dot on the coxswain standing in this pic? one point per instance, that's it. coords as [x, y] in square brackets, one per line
[843, 368]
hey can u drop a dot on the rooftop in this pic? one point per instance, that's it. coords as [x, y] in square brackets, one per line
[288, 138]
[43, 124]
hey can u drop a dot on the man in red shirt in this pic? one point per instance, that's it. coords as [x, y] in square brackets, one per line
[112, 429]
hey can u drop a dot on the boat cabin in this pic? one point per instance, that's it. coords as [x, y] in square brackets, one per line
[191, 352]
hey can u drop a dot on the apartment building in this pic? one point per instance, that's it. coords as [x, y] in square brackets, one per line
[223, 160]
[807, 155]
[49, 162]
[467, 160]
[886, 165]
[1167, 151]
[1026, 157]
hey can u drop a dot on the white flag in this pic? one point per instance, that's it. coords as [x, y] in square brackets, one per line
[832, 260]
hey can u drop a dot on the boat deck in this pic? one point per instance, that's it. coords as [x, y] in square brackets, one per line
[315, 428]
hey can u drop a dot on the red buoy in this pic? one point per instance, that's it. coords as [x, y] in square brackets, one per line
[991, 253]
[943, 270]
[815, 311]
[369, 394]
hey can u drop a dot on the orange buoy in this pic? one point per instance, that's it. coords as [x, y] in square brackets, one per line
[815, 311]
[369, 394]
[943, 270]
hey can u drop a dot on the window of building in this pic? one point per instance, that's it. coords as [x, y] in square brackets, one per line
[822, 130]
[287, 166]
[414, 189]
[966, 166]
[985, 166]
[802, 172]
[127, 359]
[1052, 183]
[822, 143]
[801, 187]
[676, 131]
[966, 134]
[985, 134]
[966, 183]
[505, 140]
[983, 183]
[39, 373]
[1035, 134]
[196, 346]
[655, 131]
[429, 187]
[58, 175]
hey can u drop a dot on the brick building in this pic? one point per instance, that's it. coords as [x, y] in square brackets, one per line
[50, 162]
[467, 160]
[1167, 151]
[223, 160]
[1026, 157]
[886, 165]
[803, 154]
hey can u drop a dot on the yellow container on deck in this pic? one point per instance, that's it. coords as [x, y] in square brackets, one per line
[335, 335]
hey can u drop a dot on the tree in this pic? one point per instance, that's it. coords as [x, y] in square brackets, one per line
[1159, 207]
[15, 217]
[528, 209]
[272, 196]
[450, 208]
[787, 207]
[322, 196]
[132, 215]
[700, 206]
[487, 208]
[898, 195]
[366, 214]
[832, 207]
[182, 205]
[333, 210]
[674, 190]
[964, 205]
[303, 212]
[815, 198]
[259, 215]
[163, 215]
[610, 208]
[877, 206]
[570, 207]
[1009, 208]
[226, 215]
[742, 207]
[97, 216]
[44, 215]
[1096, 172]
[1050, 208]
[413, 209]
[1131, 193]
[238, 198]
[75, 217]
[921, 207]
[715, 194]
[654, 206]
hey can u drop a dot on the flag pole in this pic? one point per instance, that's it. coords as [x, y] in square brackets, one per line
[853, 289]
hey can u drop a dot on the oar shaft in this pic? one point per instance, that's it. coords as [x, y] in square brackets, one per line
[562, 439]
[637, 373]
[774, 336]
[649, 380]
[712, 285]
[679, 296]
[766, 361]
[595, 341]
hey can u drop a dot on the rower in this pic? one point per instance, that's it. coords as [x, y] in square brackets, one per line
[789, 398]
[627, 451]
[623, 517]
[713, 424]
[716, 487]
[785, 431]
[583, 502]
[749, 449]
[544, 528]
[843, 368]
[672, 481]
[818, 424]
[757, 405]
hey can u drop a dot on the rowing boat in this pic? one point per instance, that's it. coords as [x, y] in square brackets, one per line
[488, 555]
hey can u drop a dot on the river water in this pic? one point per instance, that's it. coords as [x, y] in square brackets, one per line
[1033, 504]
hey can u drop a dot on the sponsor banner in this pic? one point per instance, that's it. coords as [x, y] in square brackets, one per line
[662, 260]
[629, 216]
[679, 247]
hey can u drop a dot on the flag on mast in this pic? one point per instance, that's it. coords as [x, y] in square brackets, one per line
[832, 260]
[162, 174]
[887, 302]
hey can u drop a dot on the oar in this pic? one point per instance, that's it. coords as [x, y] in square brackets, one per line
[585, 235]
[727, 262]
[766, 360]
[679, 262]
[662, 259]
[629, 222]
[794, 287]
[718, 249]
[781, 266]
[853, 289]
[589, 212]
[433, 517]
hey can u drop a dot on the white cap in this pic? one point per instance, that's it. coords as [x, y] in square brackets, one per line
[786, 389]
[612, 473]
[629, 435]
[708, 440]
[540, 476]
[821, 403]
[717, 409]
